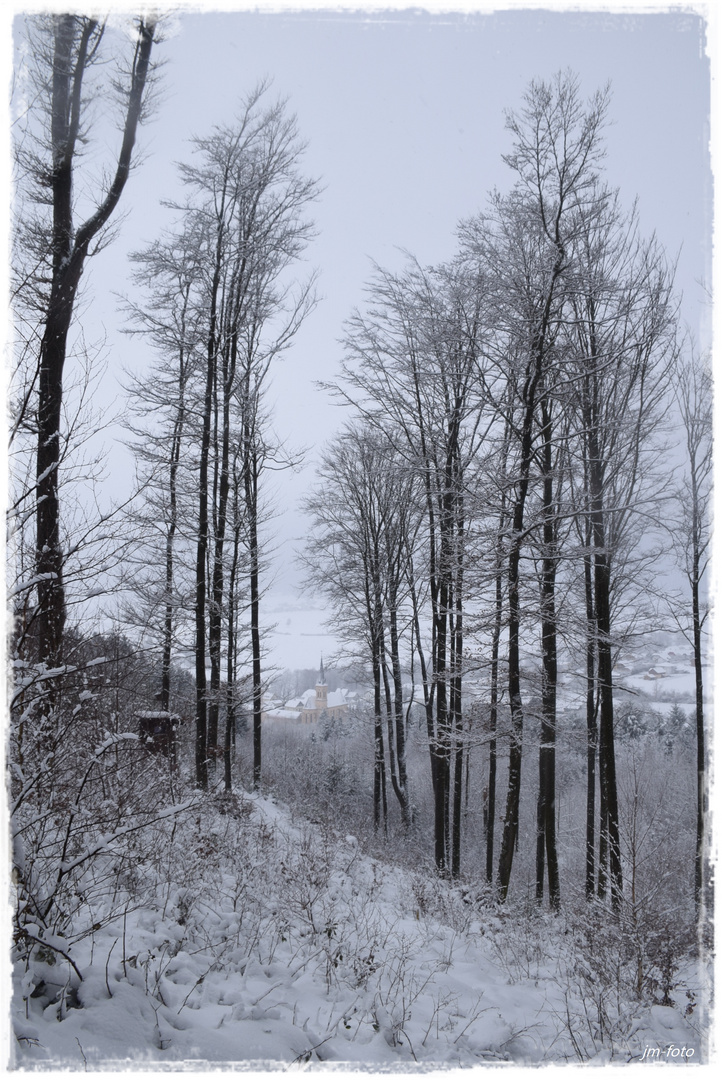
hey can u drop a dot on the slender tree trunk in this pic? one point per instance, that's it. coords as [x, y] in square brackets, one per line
[546, 823]
[399, 721]
[533, 378]
[380, 804]
[591, 709]
[428, 689]
[511, 817]
[174, 464]
[395, 716]
[389, 710]
[602, 604]
[215, 620]
[457, 649]
[69, 252]
[494, 677]
[699, 710]
[203, 518]
[493, 713]
[441, 746]
[251, 489]
[201, 555]
[231, 656]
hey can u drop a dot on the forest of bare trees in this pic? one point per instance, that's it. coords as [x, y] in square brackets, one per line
[486, 528]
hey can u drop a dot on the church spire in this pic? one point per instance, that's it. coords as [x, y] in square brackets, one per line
[321, 691]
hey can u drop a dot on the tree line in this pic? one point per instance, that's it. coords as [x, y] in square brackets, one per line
[496, 501]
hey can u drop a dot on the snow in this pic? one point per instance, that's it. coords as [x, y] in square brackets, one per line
[272, 942]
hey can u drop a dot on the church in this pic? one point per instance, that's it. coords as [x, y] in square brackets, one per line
[310, 706]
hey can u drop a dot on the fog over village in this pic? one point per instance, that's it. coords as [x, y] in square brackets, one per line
[359, 523]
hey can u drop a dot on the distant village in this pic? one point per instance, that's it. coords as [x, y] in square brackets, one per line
[311, 705]
[670, 668]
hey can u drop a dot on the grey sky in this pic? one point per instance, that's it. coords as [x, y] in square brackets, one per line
[404, 118]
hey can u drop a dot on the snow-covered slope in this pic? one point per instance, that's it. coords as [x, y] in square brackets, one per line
[269, 941]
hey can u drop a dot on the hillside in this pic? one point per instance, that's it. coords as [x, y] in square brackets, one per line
[248, 936]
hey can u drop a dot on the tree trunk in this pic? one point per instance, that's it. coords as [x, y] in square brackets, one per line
[494, 675]
[534, 373]
[174, 464]
[380, 806]
[69, 252]
[231, 654]
[457, 646]
[251, 489]
[399, 721]
[442, 749]
[602, 604]
[699, 709]
[591, 709]
[511, 817]
[546, 824]
[215, 620]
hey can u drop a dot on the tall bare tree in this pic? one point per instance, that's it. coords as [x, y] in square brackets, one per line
[524, 246]
[246, 206]
[413, 363]
[691, 533]
[621, 335]
[364, 524]
[59, 228]
[164, 402]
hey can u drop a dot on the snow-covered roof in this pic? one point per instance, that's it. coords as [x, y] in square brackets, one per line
[282, 714]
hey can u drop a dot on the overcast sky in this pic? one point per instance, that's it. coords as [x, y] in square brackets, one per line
[404, 119]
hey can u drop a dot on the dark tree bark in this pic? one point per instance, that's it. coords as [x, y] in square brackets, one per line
[591, 714]
[490, 809]
[202, 540]
[251, 472]
[416, 357]
[76, 40]
[546, 824]
[693, 388]
[528, 245]
[456, 712]
[402, 787]
[511, 816]
[232, 637]
[380, 798]
[609, 832]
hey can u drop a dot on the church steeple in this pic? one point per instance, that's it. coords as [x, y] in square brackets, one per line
[321, 690]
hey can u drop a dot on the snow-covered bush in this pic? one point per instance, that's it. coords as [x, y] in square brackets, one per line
[90, 809]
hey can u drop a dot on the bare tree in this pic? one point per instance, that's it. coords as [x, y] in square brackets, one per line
[413, 361]
[54, 248]
[246, 207]
[621, 336]
[524, 246]
[164, 401]
[691, 534]
[364, 522]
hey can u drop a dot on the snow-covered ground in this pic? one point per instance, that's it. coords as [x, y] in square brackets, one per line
[269, 941]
